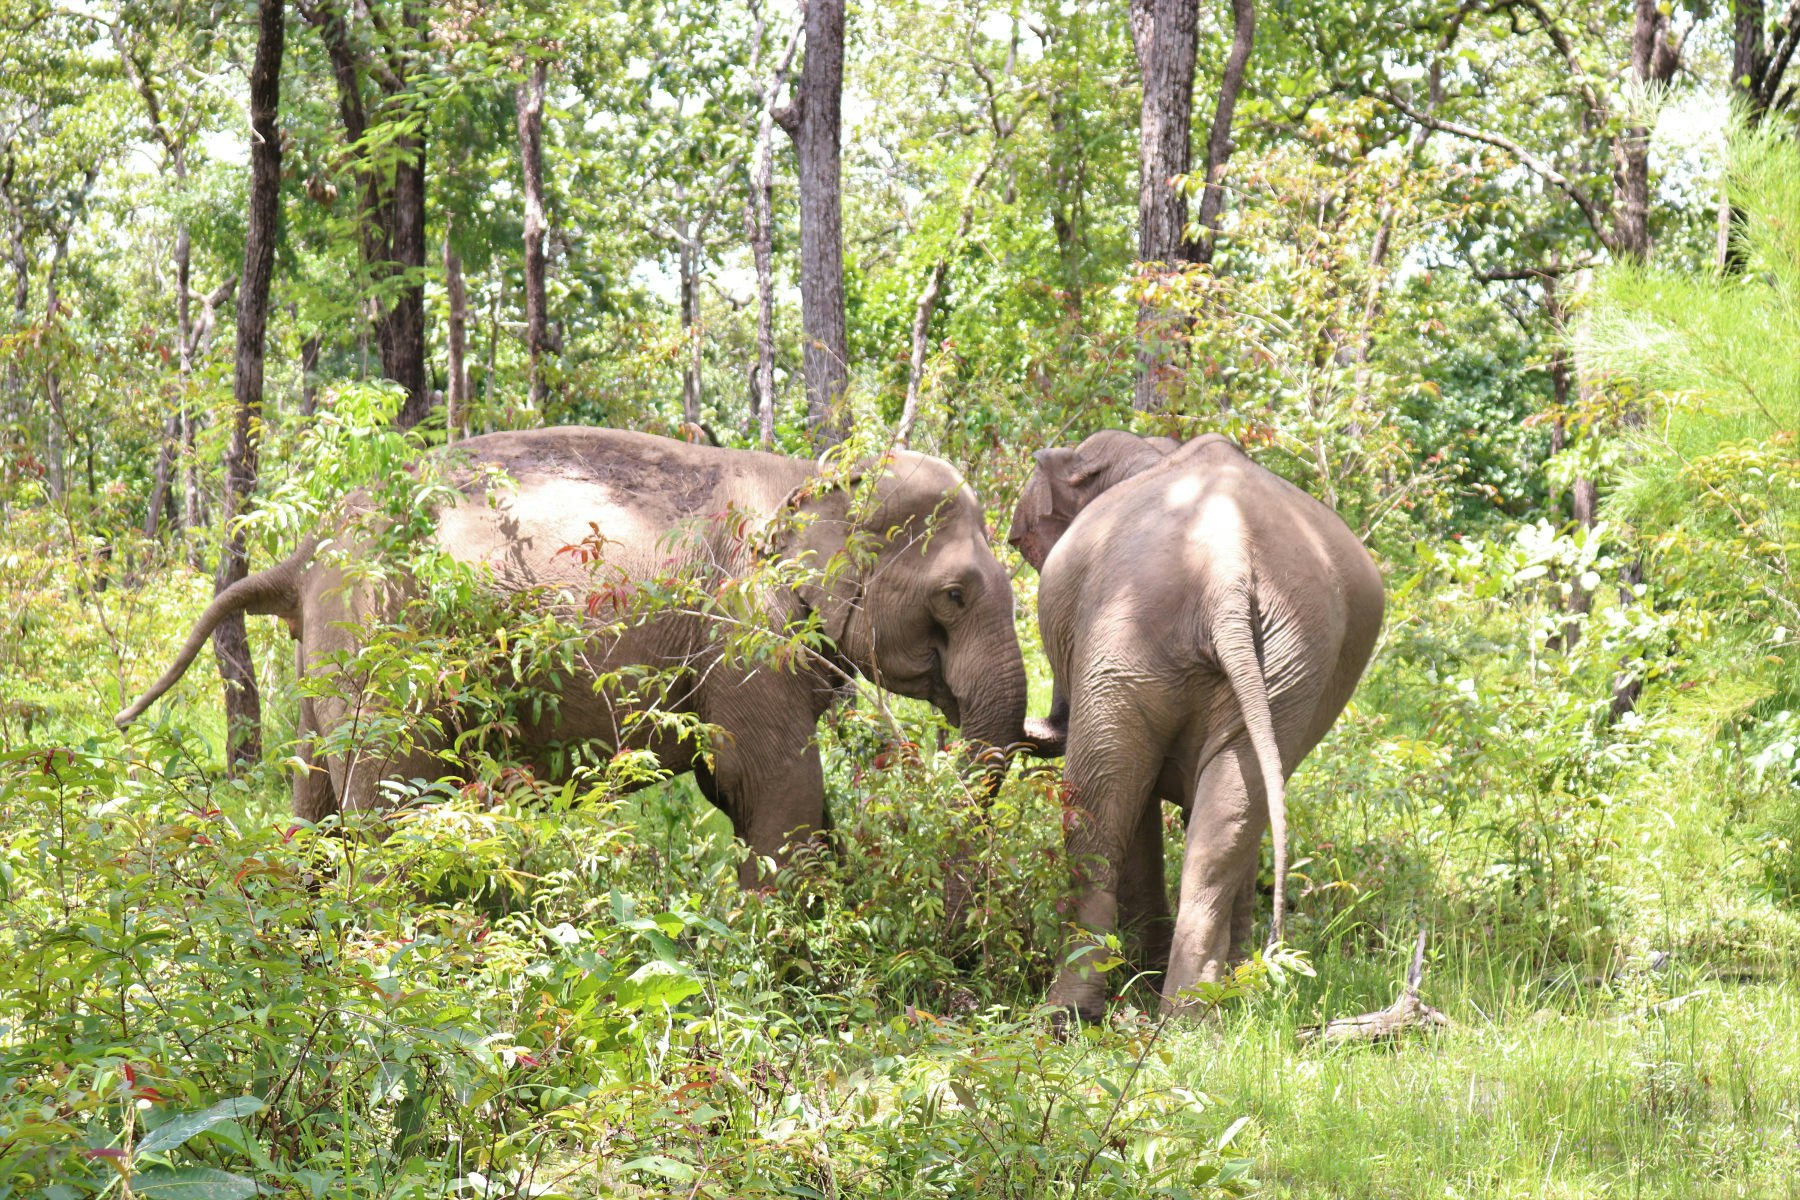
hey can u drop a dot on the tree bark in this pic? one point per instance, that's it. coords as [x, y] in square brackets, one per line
[528, 99]
[309, 379]
[456, 391]
[1653, 61]
[390, 194]
[688, 256]
[814, 121]
[1218, 142]
[762, 237]
[243, 708]
[1165, 33]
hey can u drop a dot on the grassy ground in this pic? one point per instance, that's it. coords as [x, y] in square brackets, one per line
[506, 1000]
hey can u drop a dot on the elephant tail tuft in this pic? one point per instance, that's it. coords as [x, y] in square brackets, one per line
[1234, 645]
[274, 592]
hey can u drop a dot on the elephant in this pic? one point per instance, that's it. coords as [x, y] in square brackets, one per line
[1206, 621]
[921, 607]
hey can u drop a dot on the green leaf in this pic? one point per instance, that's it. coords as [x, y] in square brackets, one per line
[658, 1164]
[173, 1133]
[193, 1183]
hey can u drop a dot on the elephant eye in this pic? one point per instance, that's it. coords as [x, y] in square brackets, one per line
[956, 595]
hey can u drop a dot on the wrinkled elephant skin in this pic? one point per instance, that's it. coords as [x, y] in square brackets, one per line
[1206, 622]
[927, 613]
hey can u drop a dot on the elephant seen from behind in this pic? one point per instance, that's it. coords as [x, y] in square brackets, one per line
[1206, 622]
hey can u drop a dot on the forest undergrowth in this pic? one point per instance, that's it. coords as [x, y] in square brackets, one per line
[523, 990]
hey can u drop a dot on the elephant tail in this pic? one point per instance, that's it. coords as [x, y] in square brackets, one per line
[1234, 644]
[274, 592]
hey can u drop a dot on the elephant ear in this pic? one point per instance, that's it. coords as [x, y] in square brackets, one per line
[816, 527]
[1067, 472]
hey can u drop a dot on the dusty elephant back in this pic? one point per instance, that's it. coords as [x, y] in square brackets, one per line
[641, 504]
[1156, 548]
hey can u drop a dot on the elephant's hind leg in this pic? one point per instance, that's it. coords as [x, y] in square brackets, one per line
[1224, 841]
[1145, 923]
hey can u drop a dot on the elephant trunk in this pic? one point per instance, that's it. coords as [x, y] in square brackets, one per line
[987, 677]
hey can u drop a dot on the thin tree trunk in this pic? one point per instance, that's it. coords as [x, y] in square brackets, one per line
[814, 121]
[1165, 33]
[58, 428]
[1218, 142]
[390, 198]
[456, 392]
[402, 330]
[528, 100]
[1654, 61]
[688, 255]
[762, 238]
[165, 468]
[309, 378]
[493, 350]
[243, 707]
[926, 305]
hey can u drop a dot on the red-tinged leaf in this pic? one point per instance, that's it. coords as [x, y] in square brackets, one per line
[150, 1094]
[528, 1059]
[130, 1075]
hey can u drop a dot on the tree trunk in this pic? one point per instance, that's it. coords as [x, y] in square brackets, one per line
[390, 198]
[814, 121]
[309, 378]
[762, 238]
[161, 490]
[1165, 33]
[926, 305]
[243, 709]
[1218, 142]
[402, 329]
[529, 101]
[456, 391]
[1756, 70]
[688, 256]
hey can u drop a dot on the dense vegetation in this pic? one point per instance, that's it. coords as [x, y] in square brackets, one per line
[1505, 284]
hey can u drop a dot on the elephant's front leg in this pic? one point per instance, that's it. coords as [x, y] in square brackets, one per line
[1218, 871]
[1144, 919]
[766, 775]
[1110, 770]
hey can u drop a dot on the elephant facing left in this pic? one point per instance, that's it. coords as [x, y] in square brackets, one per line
[920, 607]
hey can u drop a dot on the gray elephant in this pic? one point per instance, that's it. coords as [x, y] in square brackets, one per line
[920, 606]
[1206, 622]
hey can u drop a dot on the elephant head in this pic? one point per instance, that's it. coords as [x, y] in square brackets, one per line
[1068, 478]
[912, 596]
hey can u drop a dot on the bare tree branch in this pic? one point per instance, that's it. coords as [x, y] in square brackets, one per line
[1594, 213]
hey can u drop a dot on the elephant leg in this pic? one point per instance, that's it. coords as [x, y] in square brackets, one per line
[767, 777]
[313, 797]
[1109, 779]
[1243, 915]
[1145, 923]
[1224, 838]
[357, 775]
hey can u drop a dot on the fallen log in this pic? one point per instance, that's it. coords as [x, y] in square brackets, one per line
[1407, 1012]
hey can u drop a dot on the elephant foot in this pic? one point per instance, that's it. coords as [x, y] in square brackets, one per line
[1046, 738]
[1078, 996]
